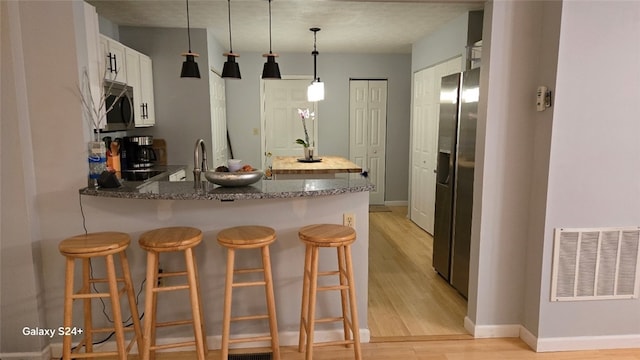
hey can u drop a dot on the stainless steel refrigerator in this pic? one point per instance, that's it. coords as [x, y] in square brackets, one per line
[454, 173]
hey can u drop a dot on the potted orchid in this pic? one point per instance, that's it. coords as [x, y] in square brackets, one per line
[308, 149]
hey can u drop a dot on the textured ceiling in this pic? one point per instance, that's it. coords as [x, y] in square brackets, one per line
[347, 26]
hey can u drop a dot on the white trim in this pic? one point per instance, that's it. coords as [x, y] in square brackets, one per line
[577, 343]
[45, 354]
[288, 338]
[529, 338]
[588, 343]
[491, 331]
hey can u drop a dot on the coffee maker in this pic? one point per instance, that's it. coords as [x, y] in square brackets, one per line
[138, 153]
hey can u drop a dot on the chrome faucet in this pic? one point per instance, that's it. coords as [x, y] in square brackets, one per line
[199, 167]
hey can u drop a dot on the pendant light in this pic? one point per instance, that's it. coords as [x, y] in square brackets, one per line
[189, 66]
[231, 68]
[271, 69]
[315, 91]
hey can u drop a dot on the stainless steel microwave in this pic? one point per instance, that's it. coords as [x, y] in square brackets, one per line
[119, 106]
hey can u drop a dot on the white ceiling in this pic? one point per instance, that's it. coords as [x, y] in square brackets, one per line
[348, 26]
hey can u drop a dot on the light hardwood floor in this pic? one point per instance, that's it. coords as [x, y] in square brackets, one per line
[481, 349]
[406, 297]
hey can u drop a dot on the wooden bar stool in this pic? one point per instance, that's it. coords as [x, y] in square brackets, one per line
[240, 238]
[340, 237]
[164, 240]
[85, 247]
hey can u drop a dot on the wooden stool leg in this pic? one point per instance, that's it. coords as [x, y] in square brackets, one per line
[195, 303]
[226, 317]
[342, 269]
[204, 331]
[133, 307]
[88, 320]
[271, 304]
[115, 307]
[68, 308]
[355, 328]
[304, 307]
[313, 288]
[150, 295]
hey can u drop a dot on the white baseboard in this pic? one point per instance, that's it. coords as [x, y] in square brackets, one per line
[588, 343]
[288, 338]
[491, 331]
[577, 343]
[397, 203]
[45, 354]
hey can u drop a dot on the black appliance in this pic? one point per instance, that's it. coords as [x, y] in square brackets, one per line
[119, 106]
[138, 153]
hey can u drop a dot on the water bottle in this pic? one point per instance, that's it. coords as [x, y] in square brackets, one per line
[97, 157]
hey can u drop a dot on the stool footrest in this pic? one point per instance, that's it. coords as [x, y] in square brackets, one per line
[249, 283]
[93, 355]
[172, 274]
[249, 317]
[103, 280]
[171, 288]
[172, 346]
[248, 271]
[328, 273]
[81, 295]
[332, 287]
[174, 323]
[249, 339]
[330, 343]
[329, 319]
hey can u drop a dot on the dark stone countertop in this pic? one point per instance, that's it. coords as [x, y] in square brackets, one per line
[263, 189]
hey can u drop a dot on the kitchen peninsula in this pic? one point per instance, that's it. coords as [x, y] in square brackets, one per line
[291, 167]
[285, 205]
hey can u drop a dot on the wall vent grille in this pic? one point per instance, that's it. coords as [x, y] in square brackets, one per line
[595, 264]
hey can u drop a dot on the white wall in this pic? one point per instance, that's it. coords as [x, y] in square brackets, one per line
[183, 112]
[444, 44]
[594, 171]
[43, 159]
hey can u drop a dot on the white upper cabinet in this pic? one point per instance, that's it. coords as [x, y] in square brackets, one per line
[113, 60]
[140, 78]
[134, 69]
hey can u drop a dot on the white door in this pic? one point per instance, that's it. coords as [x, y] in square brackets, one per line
[281, 124]
[219, 146]
[367, 131]
[424, 140]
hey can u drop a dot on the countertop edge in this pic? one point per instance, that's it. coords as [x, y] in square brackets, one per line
[227, 196]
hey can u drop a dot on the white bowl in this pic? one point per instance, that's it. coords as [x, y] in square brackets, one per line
[234, 164]
[230, 179]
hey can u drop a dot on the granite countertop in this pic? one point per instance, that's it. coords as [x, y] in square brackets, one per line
[263, 189]
[328, 165]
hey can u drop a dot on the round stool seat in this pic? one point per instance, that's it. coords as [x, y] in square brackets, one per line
[170, 239]
[94, 244]
[327, 235]
[246, 237]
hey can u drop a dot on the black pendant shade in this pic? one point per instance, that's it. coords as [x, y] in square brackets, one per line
[190, 66]
[271, 69]
[231, 68]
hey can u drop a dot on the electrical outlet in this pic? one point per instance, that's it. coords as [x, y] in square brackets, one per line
[160, 278]
[349, 219]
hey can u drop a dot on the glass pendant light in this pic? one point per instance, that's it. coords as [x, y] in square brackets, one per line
[189, 66]
[271, 69]
[231, 68]
[315, 91]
